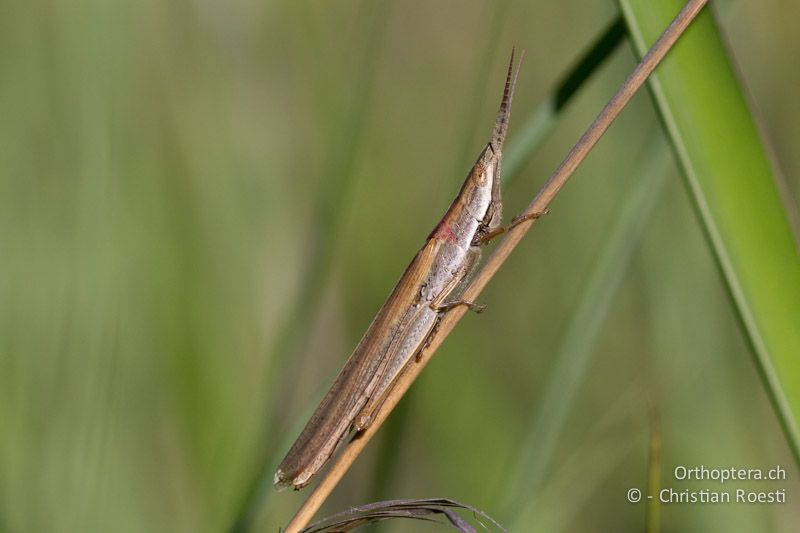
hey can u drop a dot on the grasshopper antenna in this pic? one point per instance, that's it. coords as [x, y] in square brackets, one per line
[501, 123]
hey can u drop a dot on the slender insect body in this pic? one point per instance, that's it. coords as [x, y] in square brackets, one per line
[429, 287]
[421, 323]
[454, 257]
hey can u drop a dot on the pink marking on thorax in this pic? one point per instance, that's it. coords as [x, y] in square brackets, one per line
[444, 232]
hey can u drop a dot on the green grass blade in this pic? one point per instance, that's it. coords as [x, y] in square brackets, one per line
[590, 464]
[652, 509]
[573, 357]
[539, 123]
[734, 192]
[327, 214]
[471, 121]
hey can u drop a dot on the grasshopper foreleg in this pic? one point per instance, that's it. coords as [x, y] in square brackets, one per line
[486, 237]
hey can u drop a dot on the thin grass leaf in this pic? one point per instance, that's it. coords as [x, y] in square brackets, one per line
[319, 263]
[573, 357]
[583, 472]
[542, 121]
[420, 509]
[733, 188]
[652, 510]
[470, 126]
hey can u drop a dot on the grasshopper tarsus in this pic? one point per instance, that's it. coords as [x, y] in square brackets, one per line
[517, 220]
[527, 216]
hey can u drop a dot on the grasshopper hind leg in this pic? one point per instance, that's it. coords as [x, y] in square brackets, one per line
[367, 414]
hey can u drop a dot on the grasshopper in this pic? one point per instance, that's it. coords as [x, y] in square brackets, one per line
[429, 287]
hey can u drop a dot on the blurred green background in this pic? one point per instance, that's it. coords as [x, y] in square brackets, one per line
[203, 204]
